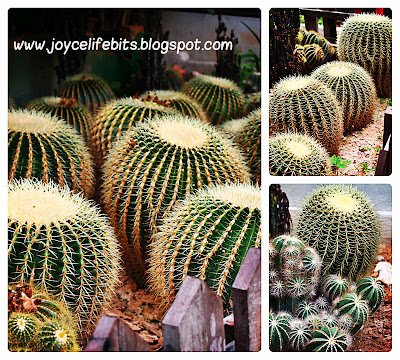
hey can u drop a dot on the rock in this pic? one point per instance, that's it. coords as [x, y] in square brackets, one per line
[385, 272]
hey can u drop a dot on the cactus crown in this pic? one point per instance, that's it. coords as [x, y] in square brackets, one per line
[29, 121]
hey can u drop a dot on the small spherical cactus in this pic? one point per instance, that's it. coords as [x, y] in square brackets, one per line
[329, 339]
[66, 109]
[366, 39]
[22, 328]
[206, 236]
[372, 291]
[305, 309]
[119, 116]
[44, 147]
[279, 329]
[64, 244]
[305, 105]
[221, 99]
[88, 90]
[299, 335]
[335, 286]
[246, 133]
[55, 336]
[345, 322]
[314, 322]
[155, 165]
[329, 320]
[341, 223]
[354, 305]
[178, 101]
[322, 304]
[355, 90]
[292, 154]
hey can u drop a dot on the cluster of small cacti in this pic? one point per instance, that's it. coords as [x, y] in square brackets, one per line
[305, 105]
[341, 222]
[62, 242]
[68, 110]
[312, 49]
[153, 166]
[221, 99]
[88, 90]
[36, 322]
[206, 236]
[44, 147]
[246, 133]
[355, 90]
[292, 154]
[366, 39]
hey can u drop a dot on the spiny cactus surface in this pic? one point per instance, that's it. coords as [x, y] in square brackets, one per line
[372, 291]
[353, 305]
[334, 286]
[279, 329]
[21, 328]
[299, 335]
[329, 339]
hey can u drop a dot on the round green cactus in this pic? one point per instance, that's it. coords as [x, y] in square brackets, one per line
[42, 146]
[372, 291]
[156, 164]
[322, 304]
[279, 329]
[64, 244]
[354, 305]
[21, 328]
[119, 116]
[329, 320]
[366, 39]
[178, 101]
[299, 335]
[206, 236]
[341, 223]
[329, 339]
[345, 322]
[221, 99]
[246, 133]
[88, 90]
[66, 109]
[298, 155]
[355, 90]
[305, 309]
[335, 286]
[55, 336]
[305, 105]
[314, 322]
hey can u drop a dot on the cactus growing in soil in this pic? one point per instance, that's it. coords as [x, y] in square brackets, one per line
[372, 291]
[334, 286]
[221, 99]
[66, 109]
[341, 223]
[118, 116]
[178, 101]
[206, 236]
[63, 243]
[366, 39]
[279, 328]
[44, 147]
[156, 164]
[305, 105]
[354, 305]
[355, 90]
[329, 339]
[88, 90]
[247, 134]
[293, 154]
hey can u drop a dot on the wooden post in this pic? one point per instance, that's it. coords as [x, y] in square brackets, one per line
[330, 30]
[246, 293]
[112, 334]
[311, 22]
[194, 322]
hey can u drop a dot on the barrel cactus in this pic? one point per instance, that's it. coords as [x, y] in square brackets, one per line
[44, 147]
[205, 236]
[341, 223]
[22, 328]
[366, 39]
[55, 336]
[178, 101]
[88, 90]
[305, 105]
[66, 109]
[372, 291]
[354, 305]
[292, 154]
[221, 99]
[335, 286]
[305, 309]
[329, 339]
[64, 244]
[118, 116]
[246, 133]
[299, 335]
[156, 164]
[354, 88]
[279, 329]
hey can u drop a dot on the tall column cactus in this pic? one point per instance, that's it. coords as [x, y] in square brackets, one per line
[366, 39]
[44, 147]
[156, 164]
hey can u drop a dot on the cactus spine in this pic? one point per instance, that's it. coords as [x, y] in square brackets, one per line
[354, 89]
[353, 305]
[88, 90]
[279, 329]
[335, 286]
[53, 336]
[342, 224]
[206, 236]
[21, 329]
[63, 242]
[329, 339]
[305, 105]
[372, 291]
[156, 164]
[44, 147]
[221, 99]
[299, 335]
[306, 309]
[298, 155]
[366, 39]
